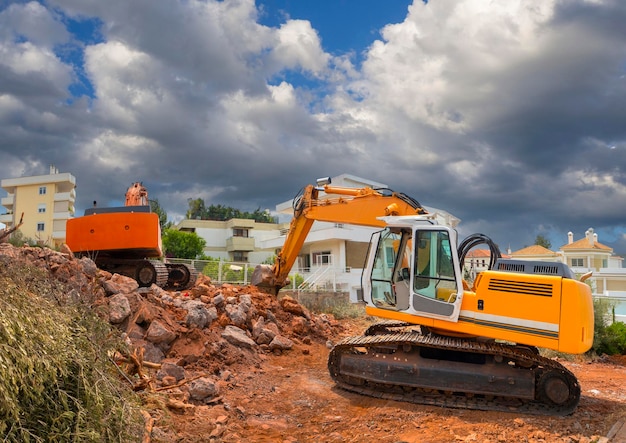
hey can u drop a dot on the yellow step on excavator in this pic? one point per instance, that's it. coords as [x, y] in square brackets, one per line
[443, 341]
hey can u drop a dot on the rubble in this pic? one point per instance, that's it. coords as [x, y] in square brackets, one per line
[207, 326]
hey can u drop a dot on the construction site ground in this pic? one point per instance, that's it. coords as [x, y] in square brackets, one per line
[223, 363]
[291, 398]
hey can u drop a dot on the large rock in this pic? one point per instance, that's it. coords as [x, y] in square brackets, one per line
[197, 314]
[264, 333]
[290, 305]
[171, 370]
[202, 389]
[237, 336]
[159, 333]
[280, 343]
[237, 314]
[119, 308]
[120, 284]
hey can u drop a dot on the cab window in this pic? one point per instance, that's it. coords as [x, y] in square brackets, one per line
[434, 269]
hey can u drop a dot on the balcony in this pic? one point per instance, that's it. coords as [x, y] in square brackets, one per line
[65, 196]
[241, 223]
[8, 201]
[62, 215]
[7, 219]
[58, 235]
[240, 244]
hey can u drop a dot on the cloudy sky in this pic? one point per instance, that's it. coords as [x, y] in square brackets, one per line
[510, 115]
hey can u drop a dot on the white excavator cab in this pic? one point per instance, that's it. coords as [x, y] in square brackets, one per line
[413, 267]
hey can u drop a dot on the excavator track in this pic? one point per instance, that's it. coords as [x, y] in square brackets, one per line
[452, 372]
[180, 276]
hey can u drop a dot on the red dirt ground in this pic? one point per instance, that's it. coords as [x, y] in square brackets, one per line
[291, 398]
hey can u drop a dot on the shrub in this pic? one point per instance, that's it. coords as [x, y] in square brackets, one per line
[609, 339]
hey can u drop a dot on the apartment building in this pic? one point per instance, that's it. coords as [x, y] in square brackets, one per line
[236, 240]
[46, 202]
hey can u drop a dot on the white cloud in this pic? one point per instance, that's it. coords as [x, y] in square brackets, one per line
[34, 22]
[299, 47]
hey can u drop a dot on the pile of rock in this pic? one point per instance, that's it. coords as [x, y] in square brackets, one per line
[207, 330]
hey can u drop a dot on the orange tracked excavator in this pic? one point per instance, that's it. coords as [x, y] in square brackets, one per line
[444, 342]
[127, 240]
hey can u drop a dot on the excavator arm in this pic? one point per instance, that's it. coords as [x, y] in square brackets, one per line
[356, 206]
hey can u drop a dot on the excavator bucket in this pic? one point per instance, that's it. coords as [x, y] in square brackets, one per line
[264, 277]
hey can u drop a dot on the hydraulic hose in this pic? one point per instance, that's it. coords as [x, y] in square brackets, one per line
[474, 240]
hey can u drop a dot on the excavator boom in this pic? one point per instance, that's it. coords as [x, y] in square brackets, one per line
[355, 206]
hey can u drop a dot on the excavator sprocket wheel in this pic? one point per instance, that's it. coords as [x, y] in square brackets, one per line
[150, 272]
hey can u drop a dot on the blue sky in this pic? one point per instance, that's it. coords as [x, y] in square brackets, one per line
[509, 114]
[344, 26]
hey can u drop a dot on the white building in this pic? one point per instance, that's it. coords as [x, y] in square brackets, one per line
[236, 240]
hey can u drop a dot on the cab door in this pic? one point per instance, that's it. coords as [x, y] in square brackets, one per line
[414, 270]
[436, 280]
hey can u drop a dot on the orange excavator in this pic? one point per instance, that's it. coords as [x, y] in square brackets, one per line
[127, 240]
[443, 341]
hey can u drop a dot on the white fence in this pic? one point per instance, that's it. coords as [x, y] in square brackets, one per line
[221, 271]
[323, 278]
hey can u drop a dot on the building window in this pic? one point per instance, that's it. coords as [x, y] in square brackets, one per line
[41, 227]
[41, 208]
[239, 256]
[321, 258]
[577, 263]
[240, 232]
[42, 190]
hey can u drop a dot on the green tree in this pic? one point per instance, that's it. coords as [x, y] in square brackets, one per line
[196, 210]
[182, 244]
[158, 210]
[541, 240]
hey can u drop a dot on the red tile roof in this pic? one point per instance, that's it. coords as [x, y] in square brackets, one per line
[583, 243]
[533, 250]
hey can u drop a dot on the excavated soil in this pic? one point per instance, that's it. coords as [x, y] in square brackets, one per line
[221, 363]
[291, 398]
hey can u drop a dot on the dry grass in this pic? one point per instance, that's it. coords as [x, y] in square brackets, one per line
[56, 381]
